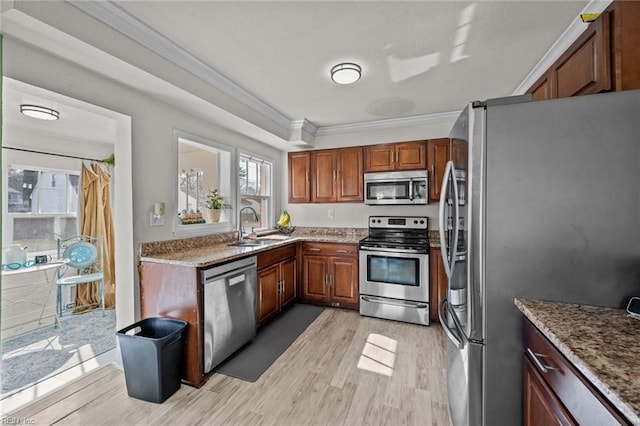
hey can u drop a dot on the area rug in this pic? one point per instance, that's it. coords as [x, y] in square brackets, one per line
[32, 357]
[249, 362]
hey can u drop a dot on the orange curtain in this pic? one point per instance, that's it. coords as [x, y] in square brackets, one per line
[97, 221]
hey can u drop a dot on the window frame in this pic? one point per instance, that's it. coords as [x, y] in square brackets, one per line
[180, 230]
[9, 217]
[271, 208]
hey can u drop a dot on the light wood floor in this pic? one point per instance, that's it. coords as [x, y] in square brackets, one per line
[344, 369]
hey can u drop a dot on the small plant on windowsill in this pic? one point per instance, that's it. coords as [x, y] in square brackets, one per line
[215, 204]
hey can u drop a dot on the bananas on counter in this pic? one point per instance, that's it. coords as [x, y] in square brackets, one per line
[285, 219]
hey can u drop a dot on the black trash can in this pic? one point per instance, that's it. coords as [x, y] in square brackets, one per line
[152, 357]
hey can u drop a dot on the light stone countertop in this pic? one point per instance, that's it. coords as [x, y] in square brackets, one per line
[202, 256]
[602, 343]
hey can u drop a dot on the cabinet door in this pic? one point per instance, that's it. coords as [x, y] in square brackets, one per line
[314, 285]
[543, 88]
[585, 68]
[380, 158]
[437, 156]
[541, 406]
[344, 281]
[288, 273]
[324, 176]
[299, 183]
[350, 175]
[411, 155]
[438, 282]
[268, 295]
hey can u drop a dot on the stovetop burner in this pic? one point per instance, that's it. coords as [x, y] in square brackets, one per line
[397, 232]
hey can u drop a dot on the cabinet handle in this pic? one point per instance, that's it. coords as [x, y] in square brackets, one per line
[281, 286]
[542, 367]
[341, 251]
[330, 280]
[307, 176]
[433, 172]
[397, 156]
[314, 249]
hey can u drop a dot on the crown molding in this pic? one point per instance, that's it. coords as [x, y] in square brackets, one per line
[390, 123]
[121, 21]
[565, 40]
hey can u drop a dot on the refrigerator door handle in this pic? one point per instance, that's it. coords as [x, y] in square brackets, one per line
[456, 217]
[445, 325]
[442, 218]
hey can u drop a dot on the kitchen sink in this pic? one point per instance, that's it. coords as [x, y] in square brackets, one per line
[253, 243]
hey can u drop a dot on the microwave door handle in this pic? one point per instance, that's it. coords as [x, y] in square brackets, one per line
[411, 190]
[442, 217]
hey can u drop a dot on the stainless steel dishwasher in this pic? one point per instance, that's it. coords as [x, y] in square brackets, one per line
[229, 309]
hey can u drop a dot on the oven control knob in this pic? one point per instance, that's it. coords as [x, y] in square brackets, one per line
[415, 222]
[422, 222]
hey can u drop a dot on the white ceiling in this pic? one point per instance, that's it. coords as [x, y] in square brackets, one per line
[418, 57]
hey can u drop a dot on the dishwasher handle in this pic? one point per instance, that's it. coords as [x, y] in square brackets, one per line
[238, 275]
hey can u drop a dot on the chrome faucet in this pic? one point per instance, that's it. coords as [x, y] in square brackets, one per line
[240, 228]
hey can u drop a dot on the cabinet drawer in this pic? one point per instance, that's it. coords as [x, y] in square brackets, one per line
[276, 255]
[581, 400]
[330, 249]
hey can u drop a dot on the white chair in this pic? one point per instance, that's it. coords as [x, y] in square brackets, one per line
[85, 254]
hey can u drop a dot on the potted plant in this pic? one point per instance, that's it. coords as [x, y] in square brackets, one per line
[215, 204]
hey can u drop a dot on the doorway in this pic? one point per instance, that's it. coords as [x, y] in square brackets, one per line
[50, 155]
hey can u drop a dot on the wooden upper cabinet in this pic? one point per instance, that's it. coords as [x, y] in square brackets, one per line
[605, 57]
[350, 179]
[437, 155]
[380, 158]
[323, 166]
[411, 155]
[585, 68]
[543, 89]
[337, 175]
[299, 177]
[396, 156]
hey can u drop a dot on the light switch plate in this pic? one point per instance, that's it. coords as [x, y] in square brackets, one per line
[156, 220]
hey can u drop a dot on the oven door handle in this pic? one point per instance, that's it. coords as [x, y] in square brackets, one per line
[402, 303]
[390, 250]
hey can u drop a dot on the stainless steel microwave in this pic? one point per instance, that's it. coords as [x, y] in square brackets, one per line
[411, 187]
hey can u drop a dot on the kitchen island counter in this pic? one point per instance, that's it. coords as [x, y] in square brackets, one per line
[602, 343]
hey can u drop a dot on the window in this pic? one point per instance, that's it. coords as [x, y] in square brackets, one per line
[202, 166]
[41, 207]
[254, 184]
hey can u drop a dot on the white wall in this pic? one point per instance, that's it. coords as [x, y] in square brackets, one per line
[356, 214]
[152, 150]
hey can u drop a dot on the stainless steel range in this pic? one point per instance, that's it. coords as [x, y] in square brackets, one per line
[394, 269]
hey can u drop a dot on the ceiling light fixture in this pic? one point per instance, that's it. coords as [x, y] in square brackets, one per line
[346, 73]
[39, 112]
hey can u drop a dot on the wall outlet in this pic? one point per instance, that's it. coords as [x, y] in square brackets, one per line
[331, 213]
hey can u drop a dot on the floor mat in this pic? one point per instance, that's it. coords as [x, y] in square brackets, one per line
[249, 362]
[37, 355]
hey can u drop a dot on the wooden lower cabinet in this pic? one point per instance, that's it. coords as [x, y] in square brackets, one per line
[541, 406]
[277, 282]
[438, 282]
[555, 392]
[175, 291]
[330, 274]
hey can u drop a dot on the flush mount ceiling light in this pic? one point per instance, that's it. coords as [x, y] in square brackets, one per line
[39, 112]
[346, 73]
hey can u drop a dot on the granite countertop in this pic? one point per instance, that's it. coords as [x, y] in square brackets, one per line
[201, 253]
[602, 343]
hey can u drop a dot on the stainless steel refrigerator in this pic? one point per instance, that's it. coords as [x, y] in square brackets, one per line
[539, 200]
